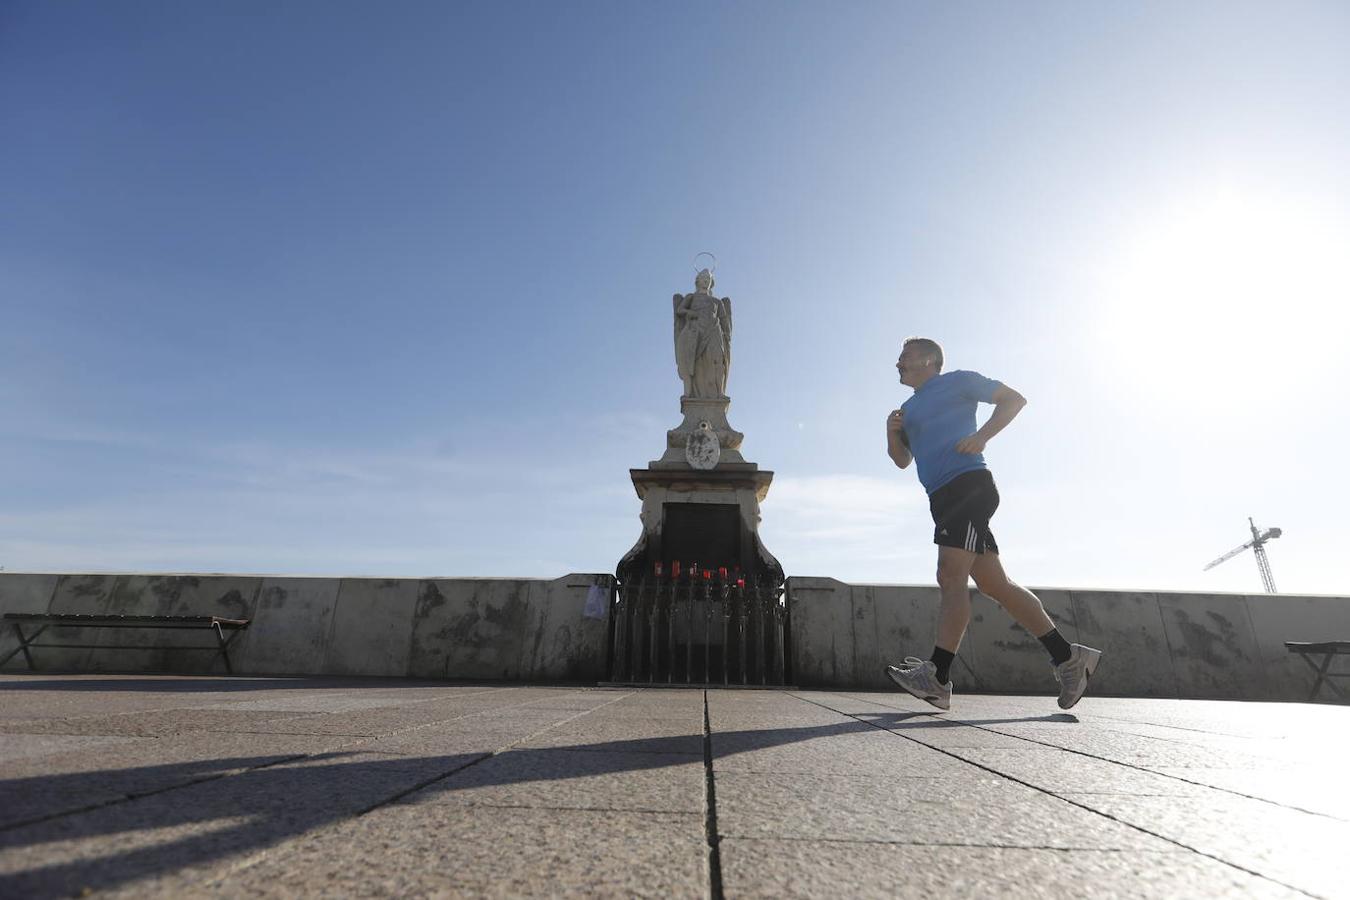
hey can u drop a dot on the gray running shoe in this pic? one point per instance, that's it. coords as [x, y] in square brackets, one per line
[1073, 674]
[921, 681]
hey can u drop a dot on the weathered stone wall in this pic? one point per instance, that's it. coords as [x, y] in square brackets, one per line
[1157, 644]
[479, 628]
[1218, 646]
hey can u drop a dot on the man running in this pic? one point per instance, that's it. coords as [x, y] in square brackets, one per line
[936, 429]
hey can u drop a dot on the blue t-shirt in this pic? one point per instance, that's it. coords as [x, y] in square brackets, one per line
[938, 415]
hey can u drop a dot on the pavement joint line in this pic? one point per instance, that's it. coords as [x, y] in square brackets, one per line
[1064, 799]
[397, 731]
[715, 888]
[1227, 734]
[973, 844]
[426, 783]
[127, 798]
[1116, 762]
[599, 809]
[279, 719]
[1137, 768]
[430, 781]
[1201, 784]
[401, 705]
[862, 777]
[171, 709]
[697, 753]
[1168, 739]
[281, 733]
[249, 862]
[382, 734]
[137, 795]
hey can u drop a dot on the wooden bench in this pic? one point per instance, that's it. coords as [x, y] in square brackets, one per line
[1328, 650]
[43, 621]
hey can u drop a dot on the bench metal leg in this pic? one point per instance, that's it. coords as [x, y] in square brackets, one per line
[1326, 679]
[23, 645]
[224, 642]
[1321, 672]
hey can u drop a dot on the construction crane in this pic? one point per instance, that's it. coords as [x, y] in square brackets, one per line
[1258, 545]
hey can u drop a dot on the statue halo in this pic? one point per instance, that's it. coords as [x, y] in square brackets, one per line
[711, 267]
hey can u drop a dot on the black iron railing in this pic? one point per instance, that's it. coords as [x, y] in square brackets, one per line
[698, 627]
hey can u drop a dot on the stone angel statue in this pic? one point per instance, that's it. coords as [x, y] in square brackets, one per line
[703, 339]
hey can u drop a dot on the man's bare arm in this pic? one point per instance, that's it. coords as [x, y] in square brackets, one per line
[897, 446]
[1007, 404]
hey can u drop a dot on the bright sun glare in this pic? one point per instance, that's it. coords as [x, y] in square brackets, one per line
[1223, 278]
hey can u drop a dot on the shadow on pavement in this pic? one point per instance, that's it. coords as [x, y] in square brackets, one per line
[260, 808]
[1062, 718]
[206, 684]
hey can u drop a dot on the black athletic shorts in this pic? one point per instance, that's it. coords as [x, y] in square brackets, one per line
[962, 509]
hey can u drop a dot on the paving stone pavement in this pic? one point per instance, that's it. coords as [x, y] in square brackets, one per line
[189, 786]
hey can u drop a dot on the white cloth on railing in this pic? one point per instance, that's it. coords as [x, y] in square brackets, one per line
[597, 602]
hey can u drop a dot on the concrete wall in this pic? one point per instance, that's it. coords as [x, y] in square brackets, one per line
[484, 628]
[1155, 644]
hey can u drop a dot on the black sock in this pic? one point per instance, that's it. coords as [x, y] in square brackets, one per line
[1058, 647]
[943, 659]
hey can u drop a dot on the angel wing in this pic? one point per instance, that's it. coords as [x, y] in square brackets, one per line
[675, 317]
[724, 310]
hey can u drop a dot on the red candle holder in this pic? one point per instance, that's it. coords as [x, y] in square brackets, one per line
[658, 570]
[722, 572]
[675, 569]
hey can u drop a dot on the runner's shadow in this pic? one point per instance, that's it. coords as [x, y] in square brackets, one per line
[1060, 718]
[935, 719]
[155, 820]
[160, 819]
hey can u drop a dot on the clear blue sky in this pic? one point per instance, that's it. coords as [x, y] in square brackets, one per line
[384, 288]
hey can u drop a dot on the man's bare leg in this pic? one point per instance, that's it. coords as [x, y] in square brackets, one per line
[1074, 663]
[931, 681]
[1021, 604]
[953, 576]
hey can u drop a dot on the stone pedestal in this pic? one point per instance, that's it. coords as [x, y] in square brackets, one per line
[705, 517]
[697, 410]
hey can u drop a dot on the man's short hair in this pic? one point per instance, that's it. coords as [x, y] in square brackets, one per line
[925, 345]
